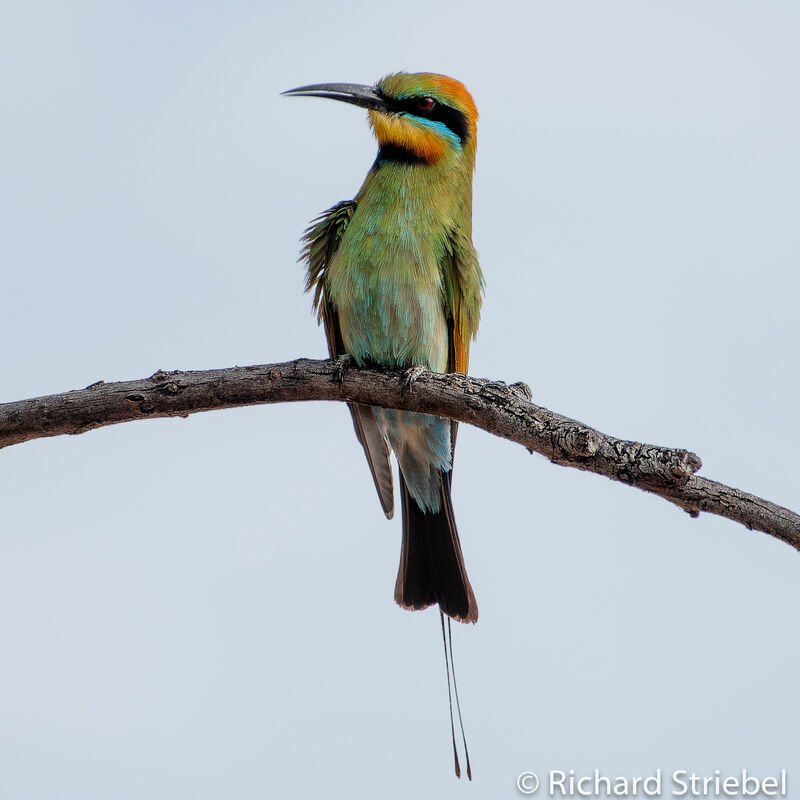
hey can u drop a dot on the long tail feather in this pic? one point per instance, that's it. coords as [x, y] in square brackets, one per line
[431, 562]
[458, 702]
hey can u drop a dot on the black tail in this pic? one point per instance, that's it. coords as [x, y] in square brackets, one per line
[431, 563]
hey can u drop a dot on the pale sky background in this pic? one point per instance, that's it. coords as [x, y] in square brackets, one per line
[203, 608]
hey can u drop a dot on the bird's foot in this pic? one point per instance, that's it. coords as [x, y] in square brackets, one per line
[411, 376]
[341, 365]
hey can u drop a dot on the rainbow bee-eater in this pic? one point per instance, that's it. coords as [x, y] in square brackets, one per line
[397, 283]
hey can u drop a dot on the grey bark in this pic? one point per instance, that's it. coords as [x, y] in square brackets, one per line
[500, 409]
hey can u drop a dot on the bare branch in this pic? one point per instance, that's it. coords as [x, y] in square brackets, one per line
[500, 409]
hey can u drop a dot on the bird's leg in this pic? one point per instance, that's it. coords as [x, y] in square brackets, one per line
[341, 364]
[411, 375]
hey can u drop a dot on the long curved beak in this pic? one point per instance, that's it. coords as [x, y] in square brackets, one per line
[364, 96]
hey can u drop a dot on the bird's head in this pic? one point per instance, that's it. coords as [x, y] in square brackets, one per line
[422, 116]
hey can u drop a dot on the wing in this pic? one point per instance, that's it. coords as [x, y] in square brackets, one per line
[321, 241]
[463, 295]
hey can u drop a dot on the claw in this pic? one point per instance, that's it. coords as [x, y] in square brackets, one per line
[341, 365]
[411, 376]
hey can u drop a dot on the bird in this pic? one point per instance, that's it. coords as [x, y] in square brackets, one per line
[397, 284]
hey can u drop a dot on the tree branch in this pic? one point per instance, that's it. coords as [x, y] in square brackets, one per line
[503, 410]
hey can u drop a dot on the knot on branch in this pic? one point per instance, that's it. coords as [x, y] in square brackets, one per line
[522, 390]
[676, 466]
[577, 442]
[659, 466]
[160, 374]
[163, 383]
[145, 405]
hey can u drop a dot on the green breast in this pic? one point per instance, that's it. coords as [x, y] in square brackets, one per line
[385, 279]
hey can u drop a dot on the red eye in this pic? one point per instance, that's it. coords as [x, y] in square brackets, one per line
[425, 103]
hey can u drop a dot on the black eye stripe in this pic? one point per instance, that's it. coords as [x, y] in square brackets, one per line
[452, 118]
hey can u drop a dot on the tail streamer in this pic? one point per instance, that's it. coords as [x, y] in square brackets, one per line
[447, 641]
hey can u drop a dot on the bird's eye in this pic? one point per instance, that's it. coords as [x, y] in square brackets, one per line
[426, 103]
